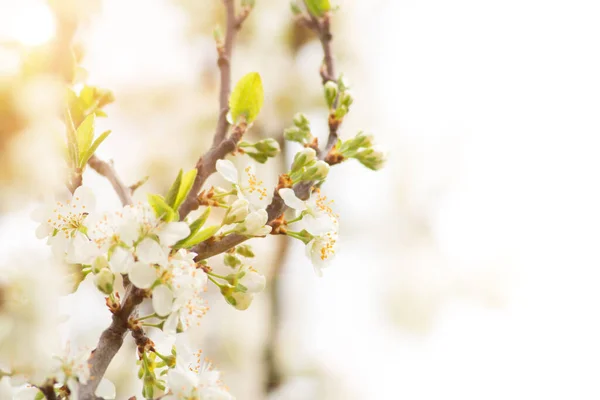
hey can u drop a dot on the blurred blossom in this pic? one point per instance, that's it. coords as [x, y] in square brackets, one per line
[30, 287]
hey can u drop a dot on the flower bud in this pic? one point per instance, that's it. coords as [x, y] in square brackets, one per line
[371, 158]
[268, 147]
[346, 99]
[252, 281]
[341, 111]
[248, 3]
[99, 263]
[331, 92]
[231, 260]
[245, 250]
[238, 211]
[295, 134]
[301, 121]
[316, 172]
[363, 140]
[105, 280]
[241, 301]
[218, 35]
[304, 158]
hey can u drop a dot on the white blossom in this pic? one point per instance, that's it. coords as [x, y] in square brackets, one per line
[247, 184]
[321, 250]
[252, 280]
[198, 381]
[255, 224]
[29, 299]
[317, 215]
[66, 224]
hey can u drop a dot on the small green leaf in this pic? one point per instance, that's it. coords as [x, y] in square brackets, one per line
[85, 135]
[171, 198]
[247, 98]
[186, 185]
[161, 208]
[200, 236]
[195, 227]
[318, 7]
[94, 147]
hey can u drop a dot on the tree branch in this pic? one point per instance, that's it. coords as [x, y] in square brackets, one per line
[221, 146]
[110, 342]
[106, 169]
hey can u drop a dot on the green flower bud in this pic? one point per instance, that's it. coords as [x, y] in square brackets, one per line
[341, 112]
[301, 121]
[258, 157]
[269, 147]
[245, 250]
[105, 280]
[316, 172]
[343, 83]
[295, 134]
[99, 263]
[231, 260]
[218, 35]
[347, 99]
[331, 92]
[303, 158]
[371, 158]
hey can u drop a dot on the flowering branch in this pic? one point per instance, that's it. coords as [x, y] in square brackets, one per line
[221, 146]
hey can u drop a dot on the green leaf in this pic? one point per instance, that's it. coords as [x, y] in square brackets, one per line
[161, 208]
[195, 227]
[186, 185]
[94, 147]
[85, 135]
[199, 223]
[174, 191]
[200, 236]
[318, 7]
[247, 98]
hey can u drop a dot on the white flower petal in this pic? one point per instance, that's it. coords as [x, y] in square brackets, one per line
[142, 275]
[83, 199]
[170, 325]
[171, 233]
[319, 225]
[162, 300]
[253, 281]
[290, 199]
[181, 380]
[227, 170]
[42, 231]
[149, 251]
[121, 260]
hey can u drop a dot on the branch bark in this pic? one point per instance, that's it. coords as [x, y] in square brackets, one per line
[110, 342]
[221, 146]
[106, 169]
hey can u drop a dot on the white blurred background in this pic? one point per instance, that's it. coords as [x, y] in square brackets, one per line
[469, 267]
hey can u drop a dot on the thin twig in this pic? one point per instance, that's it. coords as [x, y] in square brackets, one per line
[221, 146]
[106, 169]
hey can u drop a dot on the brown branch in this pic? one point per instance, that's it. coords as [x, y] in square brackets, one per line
[206, 164]
[48, 390]
[110, 342]
[106, 169]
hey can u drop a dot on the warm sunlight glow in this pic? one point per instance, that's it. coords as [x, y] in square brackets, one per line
[31, 23]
